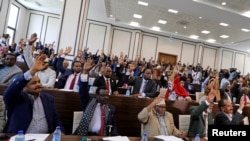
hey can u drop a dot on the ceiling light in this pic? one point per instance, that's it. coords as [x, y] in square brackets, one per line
[142, 3]
[61, 0]
[155, 28]
[248, 50]
[211, 40]
[162, 22]
[176, 32]
[223, 3]
[134, 24]
[246, 14]
[200, 17]
[205, 32]
[224, 36]
[223, 24]
[137, 16]
[194, 36]
[110, 15]
[172, 11]
[184, 26]
[245, 30]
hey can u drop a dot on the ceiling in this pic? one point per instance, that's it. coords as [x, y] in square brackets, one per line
[189, 15]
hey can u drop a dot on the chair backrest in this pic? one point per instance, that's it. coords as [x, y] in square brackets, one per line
[198, 95]
[76, 119]
[184, 122]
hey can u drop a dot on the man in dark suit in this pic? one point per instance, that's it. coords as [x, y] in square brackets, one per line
[99, 116]
[226, 116]
[107, 81]
[142, 86]
[69, 77]
[28, 108]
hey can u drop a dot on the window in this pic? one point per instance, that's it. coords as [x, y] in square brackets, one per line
[12, 21]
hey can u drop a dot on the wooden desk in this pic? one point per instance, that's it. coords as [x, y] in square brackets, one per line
[67, 102]
[93, 138]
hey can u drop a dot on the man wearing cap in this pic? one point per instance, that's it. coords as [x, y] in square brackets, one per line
[157, 121]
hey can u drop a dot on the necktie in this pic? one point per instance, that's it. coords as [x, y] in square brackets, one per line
[101, 132]
[72, 82]
[245, 99]
[107, 85]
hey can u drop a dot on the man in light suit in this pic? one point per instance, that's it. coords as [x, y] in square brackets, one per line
[142, 86]
[157, 121]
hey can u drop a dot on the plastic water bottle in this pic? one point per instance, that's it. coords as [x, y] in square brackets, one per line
[91, 90]
[20, 136]
[197, 137]
[57, 134]
[144, 137]
[127, 92]
[76, 88]
[172, 96]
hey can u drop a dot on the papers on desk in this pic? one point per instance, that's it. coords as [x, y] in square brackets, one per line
[116, 138]
[167, 138]
[33, 137]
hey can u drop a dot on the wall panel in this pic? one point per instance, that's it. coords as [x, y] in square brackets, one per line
[188, 53]
[149, 47]
[52, 28]
[35, 25]
[226, 59]
[208, 57]
[121, 42]
[239, 61]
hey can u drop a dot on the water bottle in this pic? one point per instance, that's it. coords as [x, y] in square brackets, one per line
[20, 136]
[57, 134]
[127, 92]
[172, 96]
[76, 88]
[91, 90]
[144, 137]
[197, 137]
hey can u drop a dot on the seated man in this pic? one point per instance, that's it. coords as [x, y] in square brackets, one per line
[28, 108]
[99, 116]
[142, 86]
[9, 70]
[157, 121]
[201, 116]
[226, 116]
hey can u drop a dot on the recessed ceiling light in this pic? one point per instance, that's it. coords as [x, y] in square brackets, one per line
[205, 32]
[110, 15]
[246, 14]
[137, 16]
[61, 0]
[223, 3]
[184, 26]
[162, 22]
[134, 24]
[224, 36]
[211, 40]
[172, 11]
[223, 24]
[143, 3]
[245, 30]
[156, 28]
[200, 17]
[194, 36]
[176, 32]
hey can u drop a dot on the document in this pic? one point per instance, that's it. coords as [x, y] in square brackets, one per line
[116, 138]
[32, 137]
[167, 138]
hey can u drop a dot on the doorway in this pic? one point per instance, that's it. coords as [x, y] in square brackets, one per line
[168, 58]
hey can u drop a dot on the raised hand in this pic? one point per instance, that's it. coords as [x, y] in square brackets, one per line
[32, 39]
[67, 50]
[88, 65]
[39, 64]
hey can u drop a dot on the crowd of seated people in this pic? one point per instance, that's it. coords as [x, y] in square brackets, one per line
[112, 71]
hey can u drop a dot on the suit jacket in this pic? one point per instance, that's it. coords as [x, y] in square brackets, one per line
[197, 122]
[100, 81]
[85, 99]
[150, 89]
[151, 124]
[222, 119]
[64, 73]
[20, 108]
